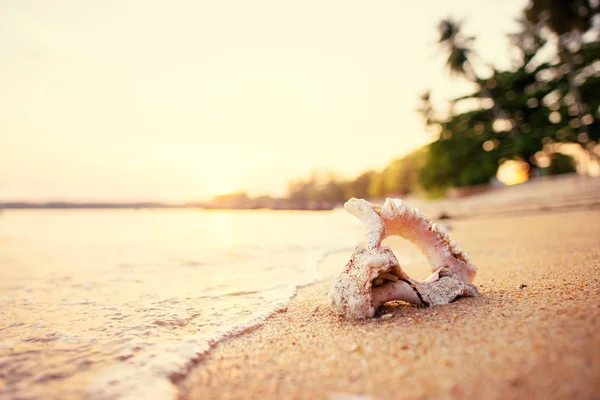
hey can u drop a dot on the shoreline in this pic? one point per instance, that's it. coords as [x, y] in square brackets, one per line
[532, 333]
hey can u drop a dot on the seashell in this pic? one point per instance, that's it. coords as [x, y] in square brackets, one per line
[373, 275]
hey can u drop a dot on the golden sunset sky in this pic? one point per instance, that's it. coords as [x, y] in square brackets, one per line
[181, 100]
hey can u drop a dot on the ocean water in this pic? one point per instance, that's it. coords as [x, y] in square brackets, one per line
[118, 304]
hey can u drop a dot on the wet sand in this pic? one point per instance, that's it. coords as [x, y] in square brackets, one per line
[533, 333]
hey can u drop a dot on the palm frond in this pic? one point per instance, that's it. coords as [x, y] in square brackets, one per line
[448, 30]
[458, 59]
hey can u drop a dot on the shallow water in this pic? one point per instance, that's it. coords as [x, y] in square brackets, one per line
[104, 304]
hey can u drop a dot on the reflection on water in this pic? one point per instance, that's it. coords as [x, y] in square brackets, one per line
[114, 302]
[222, 229]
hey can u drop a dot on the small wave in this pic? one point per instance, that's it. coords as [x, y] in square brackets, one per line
[152, 375]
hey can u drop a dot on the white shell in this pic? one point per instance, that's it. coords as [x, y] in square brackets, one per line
[353, 294]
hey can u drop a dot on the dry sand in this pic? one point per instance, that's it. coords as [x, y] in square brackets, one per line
[533, 333]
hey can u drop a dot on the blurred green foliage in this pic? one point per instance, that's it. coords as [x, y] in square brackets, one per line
[524, 110]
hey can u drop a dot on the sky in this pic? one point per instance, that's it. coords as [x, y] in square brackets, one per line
[127, 100]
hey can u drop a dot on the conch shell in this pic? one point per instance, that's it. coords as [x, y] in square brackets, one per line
[373, 275]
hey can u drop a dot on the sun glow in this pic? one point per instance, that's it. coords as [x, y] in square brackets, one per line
[178, 97]
[222, 184]
[513, 172]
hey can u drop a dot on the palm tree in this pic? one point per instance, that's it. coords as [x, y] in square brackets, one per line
[568, 20]
[459, 49]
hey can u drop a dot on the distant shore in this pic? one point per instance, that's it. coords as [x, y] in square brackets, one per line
[281, 205]
[551, 192]
[74, 205]
[146, 206]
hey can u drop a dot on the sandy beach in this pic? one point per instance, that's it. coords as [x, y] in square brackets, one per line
[533, 333]
[196, 198]
[196, 305]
